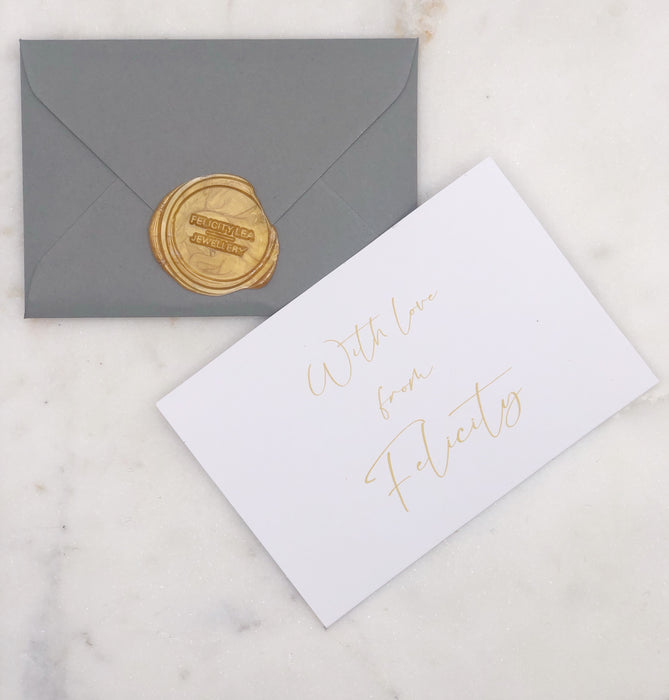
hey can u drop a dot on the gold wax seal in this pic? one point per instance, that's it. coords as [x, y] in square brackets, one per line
[212, 236]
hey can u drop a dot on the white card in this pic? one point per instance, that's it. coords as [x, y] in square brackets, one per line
[406, 391]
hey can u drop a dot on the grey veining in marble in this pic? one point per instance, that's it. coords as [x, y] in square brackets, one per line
[124, 573]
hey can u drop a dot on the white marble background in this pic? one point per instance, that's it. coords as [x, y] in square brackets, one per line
[125, 574]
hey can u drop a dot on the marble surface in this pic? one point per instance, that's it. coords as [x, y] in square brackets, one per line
[125, 574]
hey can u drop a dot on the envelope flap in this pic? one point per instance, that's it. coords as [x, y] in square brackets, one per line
[277, 112]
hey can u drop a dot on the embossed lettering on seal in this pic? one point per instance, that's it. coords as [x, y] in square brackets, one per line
[212, 236]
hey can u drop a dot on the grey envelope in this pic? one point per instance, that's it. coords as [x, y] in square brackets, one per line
[325, 130]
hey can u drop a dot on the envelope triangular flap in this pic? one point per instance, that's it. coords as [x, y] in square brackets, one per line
[284, 110]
